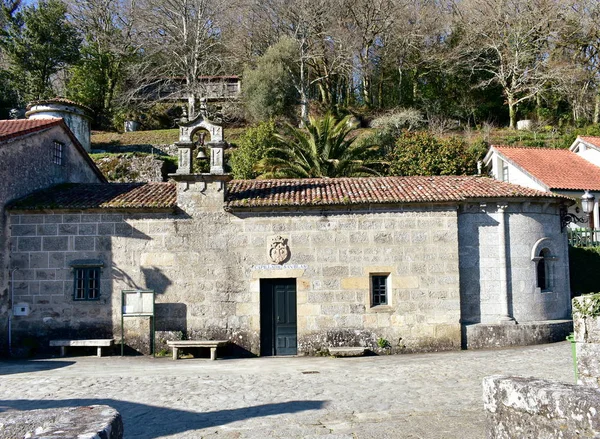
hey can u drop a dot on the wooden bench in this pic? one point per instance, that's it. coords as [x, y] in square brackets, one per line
[212, 344]
[98, 343]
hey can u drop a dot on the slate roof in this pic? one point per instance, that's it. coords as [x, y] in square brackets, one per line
[554, 168]
[10, 129]
[374, 190]
[80, 196]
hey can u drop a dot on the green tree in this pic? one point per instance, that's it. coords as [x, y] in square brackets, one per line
[325, 148]
[423, 154]
[39, 42]
[269, 88]
[251, 148]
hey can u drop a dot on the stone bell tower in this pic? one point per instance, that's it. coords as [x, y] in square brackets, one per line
[200, 192]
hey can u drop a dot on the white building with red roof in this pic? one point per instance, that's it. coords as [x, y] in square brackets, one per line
[569, 172]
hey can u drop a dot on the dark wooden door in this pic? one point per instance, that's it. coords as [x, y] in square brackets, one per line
[278, 323]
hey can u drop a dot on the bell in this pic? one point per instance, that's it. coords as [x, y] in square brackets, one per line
[201, 155]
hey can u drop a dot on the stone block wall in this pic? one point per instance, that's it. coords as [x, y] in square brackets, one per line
[30, 168]
[587, 339]
[532, 408]
[484, 287]
[206, 265]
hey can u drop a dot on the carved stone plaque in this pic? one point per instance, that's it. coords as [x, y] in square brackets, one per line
[278, 251]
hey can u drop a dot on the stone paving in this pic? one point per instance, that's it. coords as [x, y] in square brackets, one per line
[424, 396]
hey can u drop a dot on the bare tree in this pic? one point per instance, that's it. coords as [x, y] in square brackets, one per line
[509, 41]
[367, 24]
[181, 43]
[578, 58]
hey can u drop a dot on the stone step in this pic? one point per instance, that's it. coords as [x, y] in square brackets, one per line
[346, 351]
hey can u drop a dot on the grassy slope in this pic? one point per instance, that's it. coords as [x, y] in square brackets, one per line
[156, 137]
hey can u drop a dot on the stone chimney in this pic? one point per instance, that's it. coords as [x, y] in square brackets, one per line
[76, 116]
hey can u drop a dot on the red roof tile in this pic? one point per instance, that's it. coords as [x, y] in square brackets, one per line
[15, 128]
[591, 140]
[101, 196]
[555, 168]
[375, 190]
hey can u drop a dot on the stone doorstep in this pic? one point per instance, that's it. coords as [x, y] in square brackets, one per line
[347, 351]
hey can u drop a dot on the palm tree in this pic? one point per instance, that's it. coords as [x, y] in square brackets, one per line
[324, 148]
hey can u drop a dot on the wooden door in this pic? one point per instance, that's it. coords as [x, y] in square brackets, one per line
[278, 322]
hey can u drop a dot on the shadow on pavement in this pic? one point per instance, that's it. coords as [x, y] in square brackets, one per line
[146, 422]
[27, 366]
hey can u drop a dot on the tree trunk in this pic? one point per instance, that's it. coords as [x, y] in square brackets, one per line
[597, 108]
[191, 106]
[400, 86]
[415, 85]
[512, 112]
[366, 91]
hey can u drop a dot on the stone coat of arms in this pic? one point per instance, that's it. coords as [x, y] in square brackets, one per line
[278, 250]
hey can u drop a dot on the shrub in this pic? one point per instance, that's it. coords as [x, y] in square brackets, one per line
[397, 120]
[423, 154]
[250, 148]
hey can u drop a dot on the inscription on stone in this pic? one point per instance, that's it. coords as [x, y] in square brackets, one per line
[280, 267]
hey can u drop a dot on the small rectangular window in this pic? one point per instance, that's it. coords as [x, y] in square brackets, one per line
[379, 289]
[504, 170]
[57, 154]
[87, 283]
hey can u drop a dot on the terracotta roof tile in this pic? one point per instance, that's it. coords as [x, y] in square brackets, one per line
[376, 190]
[591, 140]
[555, 168]
[15, 128]
[101, 196]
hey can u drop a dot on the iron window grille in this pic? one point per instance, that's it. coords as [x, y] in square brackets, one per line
[87, 283]
[379, 290]
[57, 154]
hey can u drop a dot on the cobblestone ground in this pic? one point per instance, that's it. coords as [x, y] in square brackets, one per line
[429, 396]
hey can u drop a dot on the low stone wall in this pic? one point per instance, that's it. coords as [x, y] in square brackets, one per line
[587, 339]
[532, 408]
[486, 336]
[92, 422]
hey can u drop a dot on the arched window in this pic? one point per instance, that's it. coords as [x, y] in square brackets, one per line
[543, 270]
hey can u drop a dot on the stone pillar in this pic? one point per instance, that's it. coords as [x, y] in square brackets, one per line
[184, 152]
[504, 293]
[217, 150]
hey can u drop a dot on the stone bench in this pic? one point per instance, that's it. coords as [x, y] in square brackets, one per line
[212, 344]
[347, 351]
[97, 343]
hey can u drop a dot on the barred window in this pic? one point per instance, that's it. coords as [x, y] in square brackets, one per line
[86, 282]
[57, 153]
[379, 289]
